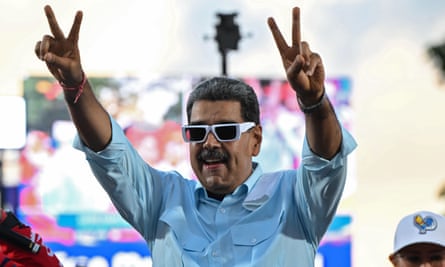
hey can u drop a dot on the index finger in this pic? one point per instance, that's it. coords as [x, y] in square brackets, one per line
[53, 25]
[296, 32]
[278, 37]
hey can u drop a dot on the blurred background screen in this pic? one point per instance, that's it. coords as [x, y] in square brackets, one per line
[60, 198]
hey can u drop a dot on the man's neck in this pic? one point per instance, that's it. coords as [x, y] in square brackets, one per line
[219, 197]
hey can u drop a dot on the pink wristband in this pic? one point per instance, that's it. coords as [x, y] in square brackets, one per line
[79, 88]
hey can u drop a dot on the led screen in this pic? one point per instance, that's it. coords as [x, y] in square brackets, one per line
[61, 199]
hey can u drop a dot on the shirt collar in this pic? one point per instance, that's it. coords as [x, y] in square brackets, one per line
[253, 178]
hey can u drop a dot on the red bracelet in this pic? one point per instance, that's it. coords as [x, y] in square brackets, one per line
[79, 88]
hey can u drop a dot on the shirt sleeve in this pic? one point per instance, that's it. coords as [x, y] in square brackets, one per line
[320, 184]
[128, 180]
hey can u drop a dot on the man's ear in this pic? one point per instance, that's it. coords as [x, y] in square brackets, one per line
[392, 259]
[257, 133]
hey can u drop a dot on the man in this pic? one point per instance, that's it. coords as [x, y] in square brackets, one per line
[236, 215]
[419, 240]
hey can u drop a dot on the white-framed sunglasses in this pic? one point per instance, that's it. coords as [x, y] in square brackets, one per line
[225, 132]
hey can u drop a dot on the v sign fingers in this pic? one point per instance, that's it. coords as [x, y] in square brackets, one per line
[291, 56]
[62, 54]
[303, 68]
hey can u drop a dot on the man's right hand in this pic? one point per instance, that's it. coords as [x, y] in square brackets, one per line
[60, 53]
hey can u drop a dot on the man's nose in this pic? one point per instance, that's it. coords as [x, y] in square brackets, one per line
[211, 140]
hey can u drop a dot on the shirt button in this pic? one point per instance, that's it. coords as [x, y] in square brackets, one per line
[253, 240]
[214, 253]
[222, 210]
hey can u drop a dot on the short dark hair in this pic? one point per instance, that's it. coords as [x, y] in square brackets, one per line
[223, 88]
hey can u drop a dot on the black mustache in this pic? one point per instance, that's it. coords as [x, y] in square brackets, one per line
[212, 154]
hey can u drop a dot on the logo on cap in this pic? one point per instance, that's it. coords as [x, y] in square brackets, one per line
[425, 224]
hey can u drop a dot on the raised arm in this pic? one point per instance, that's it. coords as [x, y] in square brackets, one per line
[62, 57]
[305, 73]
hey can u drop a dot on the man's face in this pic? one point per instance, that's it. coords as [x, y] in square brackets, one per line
[422, 254]
[229, 166]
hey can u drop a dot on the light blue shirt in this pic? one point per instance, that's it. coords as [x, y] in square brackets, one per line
[273, 219]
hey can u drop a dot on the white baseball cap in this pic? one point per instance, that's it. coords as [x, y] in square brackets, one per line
[420, 227]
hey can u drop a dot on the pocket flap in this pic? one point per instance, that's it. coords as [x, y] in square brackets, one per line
[184, 232]
[251, 234]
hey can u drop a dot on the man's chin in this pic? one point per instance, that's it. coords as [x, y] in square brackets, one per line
[210, 181]
[213, 184]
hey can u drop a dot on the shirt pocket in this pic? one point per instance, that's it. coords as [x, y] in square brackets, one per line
[252, 239]
[251, 234]
[195, 244]
[186, 234]
[194, 251]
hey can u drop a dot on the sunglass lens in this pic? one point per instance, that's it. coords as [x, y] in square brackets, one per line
[195, 134]
[227, 132]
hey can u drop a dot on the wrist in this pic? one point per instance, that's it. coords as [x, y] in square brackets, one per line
[78, 89]
[306, 109]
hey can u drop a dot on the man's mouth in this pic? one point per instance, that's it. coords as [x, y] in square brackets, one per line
[212, 161]
[212, 164]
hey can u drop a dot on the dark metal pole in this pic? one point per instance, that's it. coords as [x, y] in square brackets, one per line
[224, 63]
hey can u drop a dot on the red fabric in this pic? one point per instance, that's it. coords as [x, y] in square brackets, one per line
[6, 262]
[21, 257]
